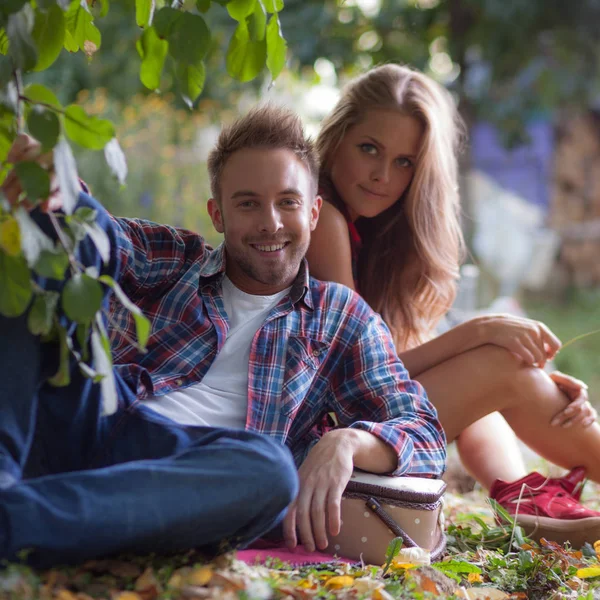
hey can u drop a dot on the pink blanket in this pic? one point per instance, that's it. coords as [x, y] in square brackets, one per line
[260, 551]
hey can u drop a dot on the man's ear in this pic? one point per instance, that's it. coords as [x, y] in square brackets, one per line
[216, 216]
[315, 211]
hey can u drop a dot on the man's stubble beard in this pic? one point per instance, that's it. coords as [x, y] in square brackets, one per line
[273, 276]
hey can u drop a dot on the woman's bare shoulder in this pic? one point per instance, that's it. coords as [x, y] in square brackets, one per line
[330, 254]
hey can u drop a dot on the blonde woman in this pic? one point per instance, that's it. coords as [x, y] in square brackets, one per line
[389, 229]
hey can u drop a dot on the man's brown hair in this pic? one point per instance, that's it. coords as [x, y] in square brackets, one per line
[266, 126]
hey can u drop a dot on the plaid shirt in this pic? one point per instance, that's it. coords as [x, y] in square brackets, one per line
[321, 349]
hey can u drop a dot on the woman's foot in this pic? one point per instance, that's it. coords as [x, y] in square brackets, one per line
[549, 507]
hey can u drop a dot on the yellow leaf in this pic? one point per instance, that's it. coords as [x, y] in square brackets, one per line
[200, 576]
[10, 237]
[127, 596]
[474, 578]
[402, 565]
[588, 572]
[339, 582]
[65, 595]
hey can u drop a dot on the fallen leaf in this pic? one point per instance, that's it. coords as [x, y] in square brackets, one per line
[588, 572]
[338, 582]
[200, 576]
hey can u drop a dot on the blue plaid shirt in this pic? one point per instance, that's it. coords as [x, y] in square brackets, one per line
[321, 349]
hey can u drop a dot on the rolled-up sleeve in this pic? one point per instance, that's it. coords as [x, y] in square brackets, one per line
[373, 391]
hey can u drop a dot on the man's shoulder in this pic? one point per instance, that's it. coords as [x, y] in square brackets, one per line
[329, 296]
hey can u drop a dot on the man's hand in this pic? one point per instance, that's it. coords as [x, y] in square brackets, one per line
[579, 413]
[25, 148]
[323, 478]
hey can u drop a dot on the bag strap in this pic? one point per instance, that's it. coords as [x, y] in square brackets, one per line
[376, 508]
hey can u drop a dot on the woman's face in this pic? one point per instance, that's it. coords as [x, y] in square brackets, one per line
[375, 162]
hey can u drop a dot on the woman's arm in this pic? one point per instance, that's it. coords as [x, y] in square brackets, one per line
[530, 340]
[329, 255]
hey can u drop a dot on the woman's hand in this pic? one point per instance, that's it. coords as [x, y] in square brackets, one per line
[24, 149]
[529, 340]
[579, 412]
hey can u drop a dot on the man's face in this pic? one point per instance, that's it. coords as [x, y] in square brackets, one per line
[267, 212]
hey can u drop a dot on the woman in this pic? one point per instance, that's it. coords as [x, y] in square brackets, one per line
[390, 230]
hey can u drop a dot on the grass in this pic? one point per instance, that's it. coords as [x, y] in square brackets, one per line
[577, 312]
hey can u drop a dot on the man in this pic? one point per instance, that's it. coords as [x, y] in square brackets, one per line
[246, 355]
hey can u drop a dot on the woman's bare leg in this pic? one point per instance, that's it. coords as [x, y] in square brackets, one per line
[489, 450]
[479, 382]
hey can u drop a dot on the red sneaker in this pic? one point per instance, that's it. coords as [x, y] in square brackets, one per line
[548, 509]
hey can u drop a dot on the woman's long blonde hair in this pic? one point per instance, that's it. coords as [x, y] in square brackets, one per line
[409, 262]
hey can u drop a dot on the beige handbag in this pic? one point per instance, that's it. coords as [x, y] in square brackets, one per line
[378, 508]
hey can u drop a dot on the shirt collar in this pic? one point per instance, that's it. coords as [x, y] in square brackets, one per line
[214, 266]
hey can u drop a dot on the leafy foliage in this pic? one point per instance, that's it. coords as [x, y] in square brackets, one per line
[33, 34]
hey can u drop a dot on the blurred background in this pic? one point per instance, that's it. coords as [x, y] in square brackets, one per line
[525, 77]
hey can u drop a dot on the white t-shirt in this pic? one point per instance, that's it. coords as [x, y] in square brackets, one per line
[221, 398]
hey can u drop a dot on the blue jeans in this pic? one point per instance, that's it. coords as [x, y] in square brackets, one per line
[75, 485]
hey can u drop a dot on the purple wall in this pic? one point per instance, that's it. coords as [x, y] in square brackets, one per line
[525, 170]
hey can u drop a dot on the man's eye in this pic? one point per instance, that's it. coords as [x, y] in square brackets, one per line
[289, 202]
[246, 204]
[368, 148]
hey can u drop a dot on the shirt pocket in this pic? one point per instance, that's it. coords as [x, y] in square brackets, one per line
[303, 360]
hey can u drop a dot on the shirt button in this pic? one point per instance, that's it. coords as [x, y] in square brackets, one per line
[315, 353]
[179, 382]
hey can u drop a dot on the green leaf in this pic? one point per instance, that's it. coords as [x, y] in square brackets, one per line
[240, 9]
[80, 29]
[89, 132]
[257, 23]
[52, 264]
[191, 81]
[457, 566]
[62, 377]
[391, 552]
[44, 126]
[41, 313]
[103, 364]
[153, 52]
[33, 239]
[34, 179]
[142, 324]
[276, 47]
[189, 39]
[49, 36]
[203, 5]
[40, 93]
[3, 42]
[21, 46]
[82, 298]
[245, 58]
[15, 285]
[116, 160]
[85, 214]
[164, 20]
[273, 6]
[12, 6]
[66, 173]
[144, 9]
[6, 138]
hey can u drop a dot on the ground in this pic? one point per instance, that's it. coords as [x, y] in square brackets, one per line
[484, 560]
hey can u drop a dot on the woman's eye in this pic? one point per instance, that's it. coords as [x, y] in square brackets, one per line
[368, 148]
[404, 162]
